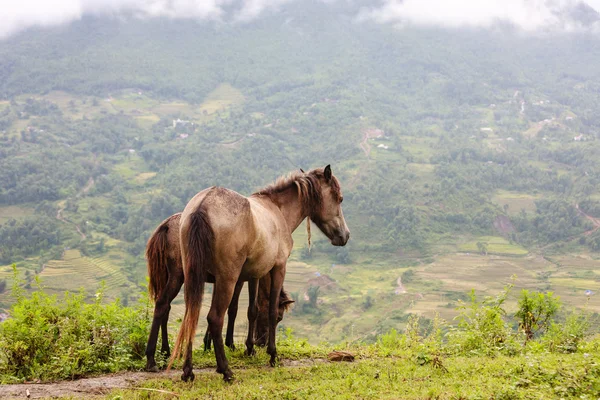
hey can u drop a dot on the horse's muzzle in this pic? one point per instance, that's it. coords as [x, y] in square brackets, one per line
[341, 239]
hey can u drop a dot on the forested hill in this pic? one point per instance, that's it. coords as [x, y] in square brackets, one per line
[455, 148]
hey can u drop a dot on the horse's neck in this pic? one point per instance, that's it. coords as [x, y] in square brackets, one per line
[291, 207]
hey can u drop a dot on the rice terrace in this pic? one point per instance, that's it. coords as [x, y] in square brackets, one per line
[172, 178]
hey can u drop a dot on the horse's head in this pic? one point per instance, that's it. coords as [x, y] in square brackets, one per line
[328, 215]
[262, 318]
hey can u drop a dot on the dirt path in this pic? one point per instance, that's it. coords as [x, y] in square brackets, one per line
[101, 385]
[60, 217]
[595, 221]
[400, 288]
[364, 143]
[84, 388]
[59, 213]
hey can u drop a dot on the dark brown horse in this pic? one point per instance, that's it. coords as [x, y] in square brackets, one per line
[165, 270]
[236, 238]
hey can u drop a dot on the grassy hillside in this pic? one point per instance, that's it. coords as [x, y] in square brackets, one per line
[466, 157]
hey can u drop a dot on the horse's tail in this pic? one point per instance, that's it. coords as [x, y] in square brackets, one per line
[156, 254]
[200, 243]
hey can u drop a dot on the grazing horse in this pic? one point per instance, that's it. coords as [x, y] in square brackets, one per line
[233, 238]
[166, 277]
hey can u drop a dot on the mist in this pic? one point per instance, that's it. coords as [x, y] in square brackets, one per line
[528, 15]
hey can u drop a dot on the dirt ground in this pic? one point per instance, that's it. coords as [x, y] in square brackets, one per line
[98, 387]
[84, 388]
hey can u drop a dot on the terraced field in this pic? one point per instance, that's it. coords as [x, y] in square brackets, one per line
[75, 271]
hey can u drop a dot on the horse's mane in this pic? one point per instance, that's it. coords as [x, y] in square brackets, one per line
[308, 185]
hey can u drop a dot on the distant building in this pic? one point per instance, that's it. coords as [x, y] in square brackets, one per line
[179, 122]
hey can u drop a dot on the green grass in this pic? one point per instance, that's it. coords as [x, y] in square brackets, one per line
[515, 201]
[16, 212]
[373, 376]
[221, 98]
[495, 245]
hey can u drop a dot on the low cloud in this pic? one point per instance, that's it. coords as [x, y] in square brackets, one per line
[528, 15]
[22, 14]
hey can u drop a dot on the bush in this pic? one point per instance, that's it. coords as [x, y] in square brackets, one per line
[566, 337]
[481, 327]
[48, 338]
[536, 312]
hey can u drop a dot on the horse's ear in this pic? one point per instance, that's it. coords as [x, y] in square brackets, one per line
[328, 172]
[284, 299]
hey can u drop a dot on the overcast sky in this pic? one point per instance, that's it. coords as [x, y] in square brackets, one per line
[16, 15]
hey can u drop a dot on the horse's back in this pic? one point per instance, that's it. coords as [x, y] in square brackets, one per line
[229, 217]
[174, 252]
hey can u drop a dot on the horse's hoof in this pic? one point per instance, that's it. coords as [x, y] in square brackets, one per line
[228, 376]
[231, 347]
[151, 368]
[188, 377]
[250, 352]
[273, 361]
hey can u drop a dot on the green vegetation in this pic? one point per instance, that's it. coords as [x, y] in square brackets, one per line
[484, 355]
[424, 128]
[377, 377]
[493, 245]
[52, 338]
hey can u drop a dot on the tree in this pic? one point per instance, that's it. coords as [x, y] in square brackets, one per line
[482, 248]
[536, 311]
[313, 295]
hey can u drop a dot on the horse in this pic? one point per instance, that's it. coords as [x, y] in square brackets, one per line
[233, 238]
[165, 271]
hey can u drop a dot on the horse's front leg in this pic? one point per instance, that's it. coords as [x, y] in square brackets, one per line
[207, 340]
[232, 314]
[252, 314]
[277, 277]
[222, 295]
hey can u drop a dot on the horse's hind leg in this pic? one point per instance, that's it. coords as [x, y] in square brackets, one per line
[161, 317]
[160, 309]
[252, 314]
[221, 299]
[173, 287]
[277, 276]
[232, 314]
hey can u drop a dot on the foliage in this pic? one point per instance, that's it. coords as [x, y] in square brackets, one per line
[21, 238]
[481, 327]
[536, 312]
[567, 336]
[51, 338]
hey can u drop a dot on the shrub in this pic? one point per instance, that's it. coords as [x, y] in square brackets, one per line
[49, 338]
[481, 327]
[536, 312]
[566, 337]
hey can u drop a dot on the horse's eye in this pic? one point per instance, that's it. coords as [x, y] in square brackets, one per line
[341, 199]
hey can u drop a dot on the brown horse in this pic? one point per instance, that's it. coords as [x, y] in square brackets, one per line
[233, 238]
[165, 270]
